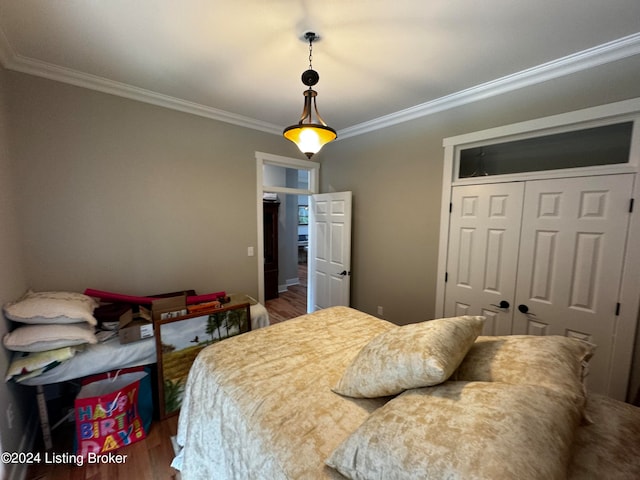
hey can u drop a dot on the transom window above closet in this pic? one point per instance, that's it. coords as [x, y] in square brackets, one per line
[602, 145]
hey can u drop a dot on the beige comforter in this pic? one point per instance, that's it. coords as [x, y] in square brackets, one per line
[260, 405]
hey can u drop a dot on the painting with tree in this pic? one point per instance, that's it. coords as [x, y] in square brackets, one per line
[179, 340]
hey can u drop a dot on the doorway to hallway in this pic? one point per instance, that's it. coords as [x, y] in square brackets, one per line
[289, 178]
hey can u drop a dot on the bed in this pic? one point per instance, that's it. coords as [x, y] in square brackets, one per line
[265, 405]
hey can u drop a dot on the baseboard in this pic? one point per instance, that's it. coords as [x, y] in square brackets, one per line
[27, 444]
[288, 283]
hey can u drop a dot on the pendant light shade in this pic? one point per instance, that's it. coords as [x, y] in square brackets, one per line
[310, 134]
[307, 135]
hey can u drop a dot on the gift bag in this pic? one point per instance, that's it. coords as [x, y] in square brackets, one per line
[113, 410]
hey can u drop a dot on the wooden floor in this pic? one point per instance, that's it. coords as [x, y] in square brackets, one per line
[291, 303]
[149, 459]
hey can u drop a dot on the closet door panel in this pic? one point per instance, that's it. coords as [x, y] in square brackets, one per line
[570, 265]
[483, 251]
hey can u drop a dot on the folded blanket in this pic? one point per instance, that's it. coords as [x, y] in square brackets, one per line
[25, 365]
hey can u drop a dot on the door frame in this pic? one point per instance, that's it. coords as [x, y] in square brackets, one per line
[263, 159]
[629, 297]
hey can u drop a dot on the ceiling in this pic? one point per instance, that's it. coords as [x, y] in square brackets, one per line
[380, 61]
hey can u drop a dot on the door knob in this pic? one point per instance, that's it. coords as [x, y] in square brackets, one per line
[524, 309]
[344, 273]
[503, 304]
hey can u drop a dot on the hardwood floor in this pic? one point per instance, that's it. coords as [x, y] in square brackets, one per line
[291, 303]
[149, 459]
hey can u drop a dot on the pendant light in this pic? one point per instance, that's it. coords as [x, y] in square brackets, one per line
[307, 134]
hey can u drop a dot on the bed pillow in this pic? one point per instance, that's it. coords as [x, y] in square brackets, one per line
[552, 361]
[461, 430]
[52, 307]
[39, 338]
[411, 356]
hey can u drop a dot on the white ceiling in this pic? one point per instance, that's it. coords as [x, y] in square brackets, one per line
[380, 61]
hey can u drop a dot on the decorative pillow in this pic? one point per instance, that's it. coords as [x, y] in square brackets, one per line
[52, 307]
[462, 430]
[411, 356]
[39, 338]
[551, 361]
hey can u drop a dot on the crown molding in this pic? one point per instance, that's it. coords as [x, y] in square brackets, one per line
[18, 63]
[608, 52]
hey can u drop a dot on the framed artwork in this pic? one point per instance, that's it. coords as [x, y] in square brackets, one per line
[179, 340]
[303, 215]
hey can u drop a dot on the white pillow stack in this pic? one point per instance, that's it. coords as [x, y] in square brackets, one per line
[50, 320]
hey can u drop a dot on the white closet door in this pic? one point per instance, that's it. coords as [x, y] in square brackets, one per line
[572, 247]
[483, 253]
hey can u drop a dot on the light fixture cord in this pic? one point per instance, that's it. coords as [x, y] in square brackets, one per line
[310, 52]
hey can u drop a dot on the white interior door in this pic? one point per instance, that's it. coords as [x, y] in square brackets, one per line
[572, 248]
[483, 253]
[329, 260]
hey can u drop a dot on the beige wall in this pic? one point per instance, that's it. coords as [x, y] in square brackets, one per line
[124, 196]
[396, 177]
[13, 283]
